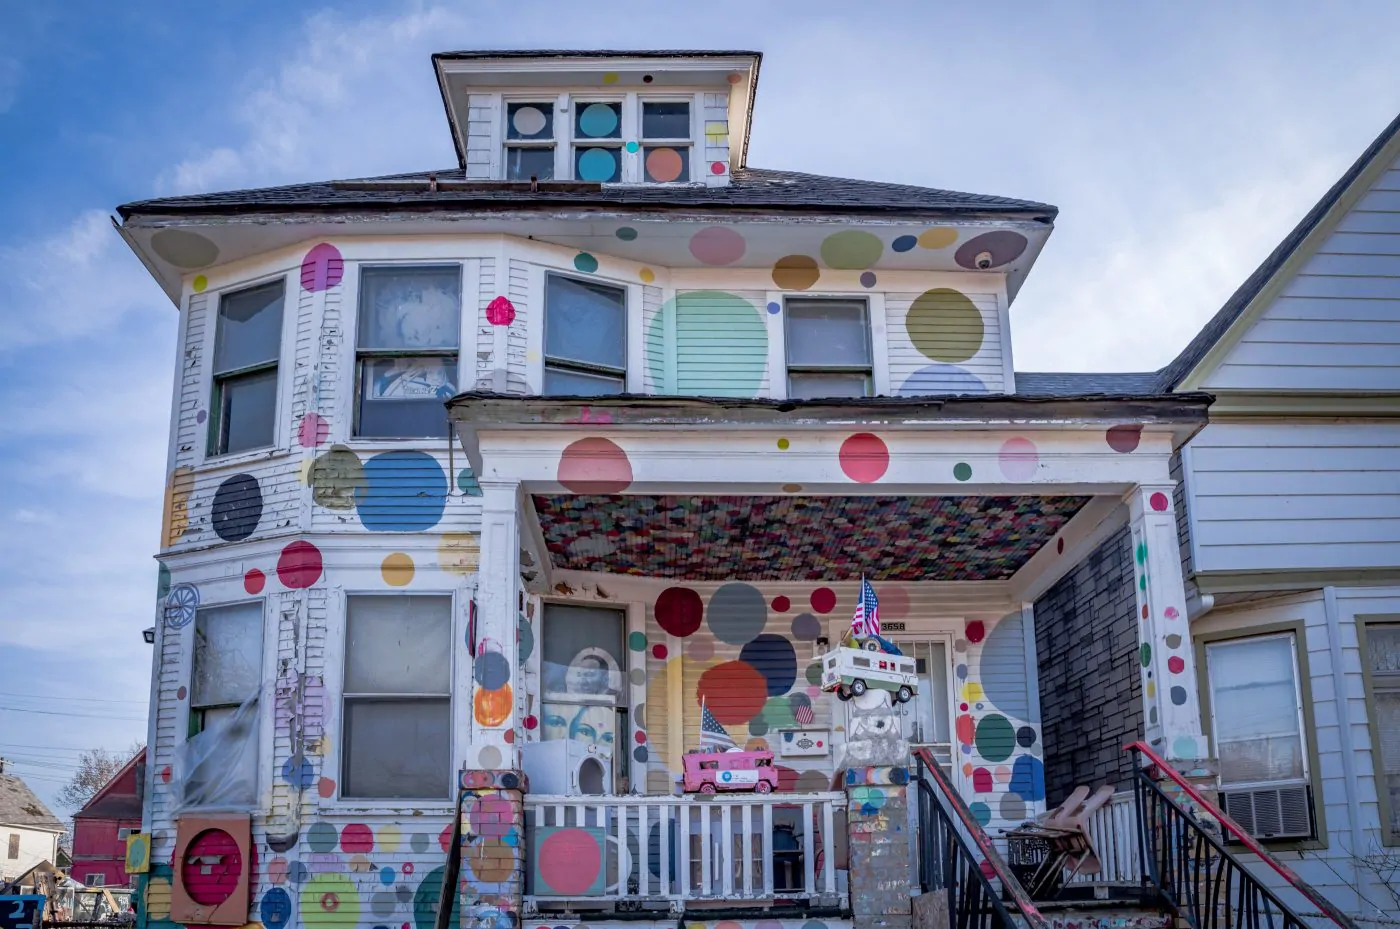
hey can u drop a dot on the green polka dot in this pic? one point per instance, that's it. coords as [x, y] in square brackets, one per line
[945, 325]
[1145, 654]
[852, 250]
[712, 324]
[996, 737]
[962, 471]
[585, 263]
[636, 641]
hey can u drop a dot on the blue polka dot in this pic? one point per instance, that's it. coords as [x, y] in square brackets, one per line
[904, 243]
[774, 308]
[403, 491]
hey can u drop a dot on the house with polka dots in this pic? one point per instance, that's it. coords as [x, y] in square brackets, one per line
[486, 485]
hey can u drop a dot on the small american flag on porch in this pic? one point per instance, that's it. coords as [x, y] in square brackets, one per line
[866, 620]
[712, 734]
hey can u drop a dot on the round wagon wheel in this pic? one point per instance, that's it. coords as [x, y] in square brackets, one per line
[905, 694]
[707, 788]
[763, 787]
[858, 688]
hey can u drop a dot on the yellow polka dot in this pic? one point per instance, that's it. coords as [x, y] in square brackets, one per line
[610, 78]
[783, 444]
[397, 569]
[647, 275]
[200, 282]
[938, 237]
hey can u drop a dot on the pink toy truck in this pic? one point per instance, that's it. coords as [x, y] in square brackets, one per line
[710, 772]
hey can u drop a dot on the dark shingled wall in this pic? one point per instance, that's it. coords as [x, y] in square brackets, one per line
[1090, 692]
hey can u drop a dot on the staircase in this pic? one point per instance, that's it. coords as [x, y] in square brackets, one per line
[1187, 877]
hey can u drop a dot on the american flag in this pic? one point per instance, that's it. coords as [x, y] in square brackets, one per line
[866, 620]
[712, 734]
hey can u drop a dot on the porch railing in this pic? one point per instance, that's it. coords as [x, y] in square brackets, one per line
[1200, 878]
[954, 849]
[672, 850]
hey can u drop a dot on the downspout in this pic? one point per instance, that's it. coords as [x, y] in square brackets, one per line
[1334, 644]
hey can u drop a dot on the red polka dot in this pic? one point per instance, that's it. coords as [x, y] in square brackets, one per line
[864, 458]
[569, 861]
[658, 652]
[299, 565]
[1175, 665]
[781, 604]
[679, 611]
[716, 167]
[734, 691]
[531, 722]
[640, 737]
[356, 839]
[500, 312]
[595, 466]
[982, 780]
[823, 599]
[254, 581]
[976, 631]
[1124, 439]
[1158, 501]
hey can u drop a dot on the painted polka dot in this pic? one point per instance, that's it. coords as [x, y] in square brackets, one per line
[781, 604]
[990, 250]
[945, 325]
[585, 262]
[1159, 502]
[679, 611]
[851, 250]
[937, 237]
[199, 283]
[737, 613]
[658, 651]
[1124, 439]
[976, 631]
[864, 458]
[717, 245]
[795, 272]
[397, 569]
[322, 268]
[962, 471]
[1019, 459]
[904, 243]
[299, 565]
[806, 627]
[500, 312]
[594, 466]
[254, 581]
[823, 600]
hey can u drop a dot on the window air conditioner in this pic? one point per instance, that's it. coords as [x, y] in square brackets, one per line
[1283, 812]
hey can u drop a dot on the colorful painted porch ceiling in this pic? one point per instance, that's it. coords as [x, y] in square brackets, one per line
[801, 538]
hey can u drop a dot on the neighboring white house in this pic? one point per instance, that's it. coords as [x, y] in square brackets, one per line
[29, 833]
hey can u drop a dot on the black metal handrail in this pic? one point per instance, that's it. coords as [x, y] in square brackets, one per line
[947, 862]
[1199, 877]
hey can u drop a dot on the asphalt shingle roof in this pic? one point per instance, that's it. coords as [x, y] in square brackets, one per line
[20, 807]
[749, 189]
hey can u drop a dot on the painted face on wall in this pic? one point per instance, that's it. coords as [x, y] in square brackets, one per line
[592, 725]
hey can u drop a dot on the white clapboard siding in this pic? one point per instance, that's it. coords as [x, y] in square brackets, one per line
[1336, 324]
[1295, 497]
[988, 366]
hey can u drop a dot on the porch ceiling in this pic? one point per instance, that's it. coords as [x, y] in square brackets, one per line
[801, 537]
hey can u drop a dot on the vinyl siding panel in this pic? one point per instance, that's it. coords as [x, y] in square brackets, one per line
[983, 372]
[1295, 497]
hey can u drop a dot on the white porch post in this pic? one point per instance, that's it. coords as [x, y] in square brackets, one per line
[1165, 656]
[496, 685]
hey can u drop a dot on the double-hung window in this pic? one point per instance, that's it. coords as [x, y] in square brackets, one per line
[585, 337]
[530, 141]
[828, 348]
[1382, 665]
[397, 693]
[598, 141]
[247, 344]
[409, 331]
[582, 676]
[666, 141]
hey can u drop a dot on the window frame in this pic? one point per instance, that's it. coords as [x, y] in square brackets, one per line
[358, 354]
[214, 441]
[337, 719]
[1388, 837]
[507, 143]
[572, 366]
[868, 369]
[1303, 686]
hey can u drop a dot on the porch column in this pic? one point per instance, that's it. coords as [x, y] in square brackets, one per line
[492, 882]
[1165, 655]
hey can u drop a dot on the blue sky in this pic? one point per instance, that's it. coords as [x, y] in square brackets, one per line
[1181, 142]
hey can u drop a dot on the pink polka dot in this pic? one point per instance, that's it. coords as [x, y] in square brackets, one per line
[823, 600]
[322, 268]
[1018, 459]
[500, 312]
[864, 458]
[781, 604]
[717, 245]
[1159, 502]
[1175, 665]
[313, 430]
[254, 581]
[658, 652]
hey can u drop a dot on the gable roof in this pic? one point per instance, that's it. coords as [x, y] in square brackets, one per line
[20, 807]
[107, 803]
[749, 189]
[1171, 376]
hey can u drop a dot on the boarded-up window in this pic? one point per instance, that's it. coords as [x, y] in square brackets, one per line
[397, 741]
[1256, 710]
[247, 345]
[1383, 662]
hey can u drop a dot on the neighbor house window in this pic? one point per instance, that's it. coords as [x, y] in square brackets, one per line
[397, 740]
[582, 670]
[585, 337]
[598, 141]
[1382, 664]
[530, 141]
[409, 332]
[247, 344]
[666, 140]
[13, 851]
[828, 348]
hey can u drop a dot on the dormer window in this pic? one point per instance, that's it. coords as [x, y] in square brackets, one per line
[530, 141]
